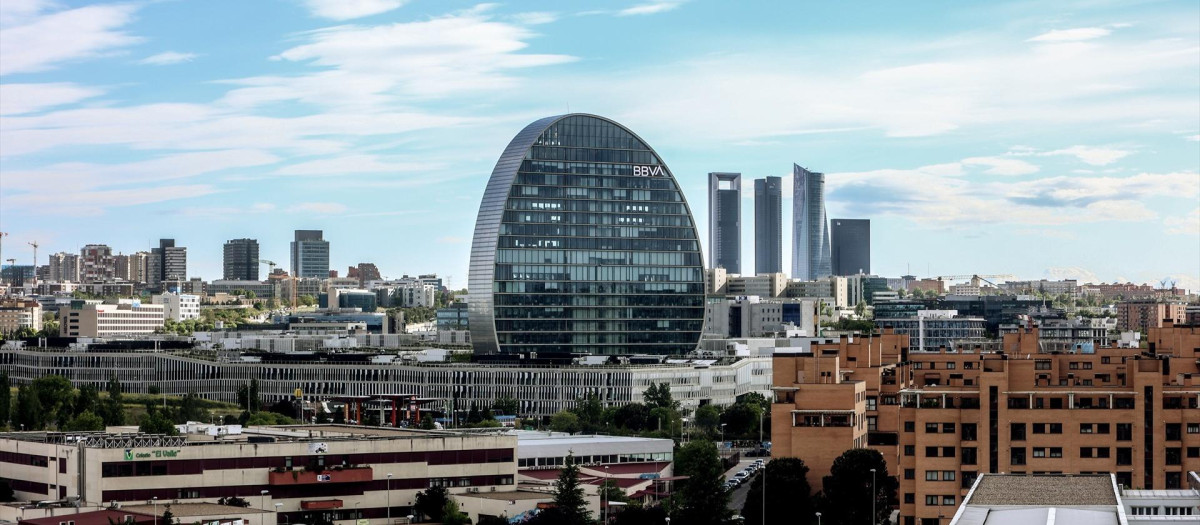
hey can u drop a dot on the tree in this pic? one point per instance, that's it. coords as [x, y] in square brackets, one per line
[85, 422]
[860, 309]
[190, 409]
[29, 414]
[307, 300]
[427, 422]
[57, 397]
[113, 408]
[255, 400]
[168, 517]
[849, 480]
[432, 503]
[88, 400]
[568, 494]
[5, 399]
[741, 419]
[708, 417]
[660, 396]
[590, 413]
[156, 422]
[565, 421]
[321, 417]
[473, 416]
[789, 497]
[153, 390]
[506, 405]
[451, 515]
[234, 501]
[634, 417]
[702, 498]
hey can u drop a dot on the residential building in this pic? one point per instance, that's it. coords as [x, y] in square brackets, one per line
[16, 314]
[64, 267]
[240, 260]
[931, 330]
[178, 307]
[810, 229]
[837, 289]
[414, 295]
[123, 319]
[304, 474]
[17, 274]
[768, 225]
[716, 281]
[725, 221]
[1077, 333]
[138, 267]
[851, 246]
[107, 289]
[364, 272]
[1143, 314]
[765, 285]
[97, 263]
[943, 418]
[1068, 287]
[453, 317]
[167, 265]
[310, 254]
[559, 268]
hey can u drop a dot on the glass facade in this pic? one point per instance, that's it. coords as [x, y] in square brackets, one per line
[810, 230]
[584, 244]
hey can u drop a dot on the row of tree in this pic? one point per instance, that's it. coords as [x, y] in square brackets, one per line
[660, 415]
[52, 401]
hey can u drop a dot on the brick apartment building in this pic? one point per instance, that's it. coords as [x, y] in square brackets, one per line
[942, 418]
[1142, 315]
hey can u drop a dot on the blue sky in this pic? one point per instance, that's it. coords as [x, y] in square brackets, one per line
[1042, 139]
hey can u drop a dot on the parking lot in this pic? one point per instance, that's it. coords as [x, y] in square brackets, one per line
[737, 495]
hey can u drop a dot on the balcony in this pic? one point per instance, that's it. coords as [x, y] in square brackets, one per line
[309, 477]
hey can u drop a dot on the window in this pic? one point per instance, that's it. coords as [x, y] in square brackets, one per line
[1124, 456]
[931, 452]
[872, 423]
[1016, 432]
[1178, 511]
[948, 475]
[910, 473]
[910, 450]
[969, 456]
[1173, 480]
[1039, 452]
[948, 500]
[951, 365]
[1174, 432]
[910, 426]
[1085, 452]
[1039, 428]
[1056, 452]
[947, 428]
[909, 497]
[931, 500]
[1124, 431]
[1193, 452]
[969, 431]
[1193, 428]
[1086, 428]
[1041, 365]
[1102, 428]
[947, 452]
[931, 428]
[931, 475]
[872, 401]
[968, 479]
[1056, 402]
[1144, 510]
[1174, 456]
[1017, 456]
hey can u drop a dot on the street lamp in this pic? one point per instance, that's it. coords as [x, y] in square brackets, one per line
[722, 436]
[263, 504]
[764, 475]
[154, 502]
[604, 495]
[410, 518]
[277, 505]
[818, 518]
[389, 498]
[873, 497]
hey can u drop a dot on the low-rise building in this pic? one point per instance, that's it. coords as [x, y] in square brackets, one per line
[178, 307]
[1007, 499]
[304, 474]
[752, 316]
[930, 330]
[764, 285]
[16, 314]
[1142, 315]
[122, 319]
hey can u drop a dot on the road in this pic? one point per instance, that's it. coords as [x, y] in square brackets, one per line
[738, 497]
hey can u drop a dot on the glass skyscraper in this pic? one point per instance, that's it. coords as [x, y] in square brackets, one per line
[810, 229]
[584, 244]
[768, 225]
[725, 221]
[310, 254]
[851, 246]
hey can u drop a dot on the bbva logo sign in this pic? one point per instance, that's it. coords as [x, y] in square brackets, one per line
[649, 171]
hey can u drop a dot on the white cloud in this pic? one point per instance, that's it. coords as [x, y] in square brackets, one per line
[35, 41]
[1072, 35]
[534, 18]
[354, 164]
[1193, 138]
[16, 99]
[349, 9]
[1096, 156]
[1187, 225]
[80, 175]
[71, 201]
[650, 8]
[168, 58]
[1083, 275]
[1002, 165]
[323, 208]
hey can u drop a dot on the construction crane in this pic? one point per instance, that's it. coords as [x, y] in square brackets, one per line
[35, 247]
[271, 264]
[2, 236]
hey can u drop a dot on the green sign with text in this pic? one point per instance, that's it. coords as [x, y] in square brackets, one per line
[130, 454]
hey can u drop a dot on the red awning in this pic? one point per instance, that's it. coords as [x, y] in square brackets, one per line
[323, 504]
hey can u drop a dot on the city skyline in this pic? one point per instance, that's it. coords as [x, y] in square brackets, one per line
[1051, 128]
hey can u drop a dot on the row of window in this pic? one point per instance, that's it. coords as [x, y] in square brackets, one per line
[604, 243]
[598, 257]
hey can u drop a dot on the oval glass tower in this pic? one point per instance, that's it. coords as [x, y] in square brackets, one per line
[584, 245]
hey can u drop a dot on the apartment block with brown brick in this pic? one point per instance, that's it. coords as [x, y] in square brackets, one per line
[941, 418]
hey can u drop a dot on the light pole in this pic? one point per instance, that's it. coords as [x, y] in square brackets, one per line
[389, 498]
[277, 505]
[154, 502]
[722, 438]
[764, 474]
[818, 518]
[873, 496]
[410, 518]
[263, 504]
[604, 494]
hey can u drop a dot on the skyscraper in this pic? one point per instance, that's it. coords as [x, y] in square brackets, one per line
[241, 260]
[167, 264]
[851, 246]
[725, 221]
[768, 225]
[810, 229]
[64, 267]
[584, 244]
[97, 263]
[310, 254]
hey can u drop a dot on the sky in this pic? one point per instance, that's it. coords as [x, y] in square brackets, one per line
[1039, 139]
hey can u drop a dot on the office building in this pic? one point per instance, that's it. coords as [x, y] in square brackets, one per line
[167, 265]
[97, 263]
[364, 272]
[768, 225]
[810, 229]
[584, 244]
[930, 330]
[262, 289]
[16, 314]
[309, 474]
[542, 391]
[138, 271]
[241, 260]
[453, 317]
[415, 295]
[725, 221]
[1141, 315]
[178, 307]
[348, 298]
[310, 254]
[752, 316]
[763, 285]
[126, 318]
[851, 246]
[63, 268]
[943, 418]
[1075, 334]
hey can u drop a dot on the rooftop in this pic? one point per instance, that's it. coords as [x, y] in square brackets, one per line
[183, 510]
[126, 437]
[1044, 490]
